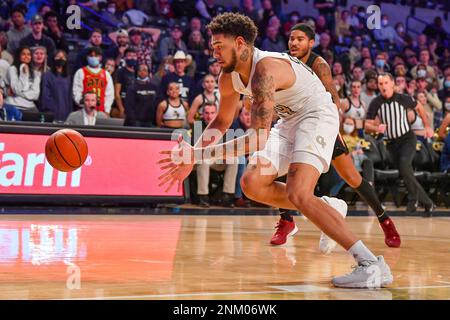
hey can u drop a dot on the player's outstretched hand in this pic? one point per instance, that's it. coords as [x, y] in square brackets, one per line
[177, 163]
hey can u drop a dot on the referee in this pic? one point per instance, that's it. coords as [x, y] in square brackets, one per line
[388, 114]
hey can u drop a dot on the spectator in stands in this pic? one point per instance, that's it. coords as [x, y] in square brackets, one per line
[110, 66]
[294, 18]
[93, 78]
[443, 61]
[144, 47]
[18, 31]
[172, 112]
[56, 88]
[445, 84]
[95, 41]
[54, 31]
[125, 78]
[170, 45]
[4, 66]
[273, 41]
[354, 143]
[401, 140]
[203, 169]
[164, 9]
[421, 43]
[208, 8]
[37, 38]
[324, 46]
[381, 65]
[248, 8]
[401, 33]
[121, 43]
[88, 115]
[386, 34]
[4, 54]
[353, 107]
[400, 84]
[184, 8]
[424, 63]
[367, 64]
[8, 112]
[194, 25]
[355, 50]
[39, 59]
[354, 19]
[357, 73]
[369, 91]
[22, 82]
[343, 26]
[196, 42]
[241, 125]
[321, 25]
[140, 101]
[165, 67]
[430, 100]
[137, 18]
[207, 96]
[110, 14]
[436, 30]
[445, 153]
[327, 8]
[184, 81]
[265, 13]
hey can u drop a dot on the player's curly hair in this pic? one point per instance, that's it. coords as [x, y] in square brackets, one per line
[234, 24]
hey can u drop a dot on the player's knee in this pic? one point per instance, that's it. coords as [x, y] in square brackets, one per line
[299, 196]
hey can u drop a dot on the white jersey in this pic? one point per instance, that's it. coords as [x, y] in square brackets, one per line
[307, 90]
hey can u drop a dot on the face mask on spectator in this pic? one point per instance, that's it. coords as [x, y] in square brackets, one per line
[131, 62]
[400, 29]
[348, 128]
[447, 106]
[361, 14]
[379, 63]
[338, 87]
[294, 19]
[93, 61]
[112, 10]
[384, 22]
[421, 73]
[447, 84]
[143, 79]
[60, 63]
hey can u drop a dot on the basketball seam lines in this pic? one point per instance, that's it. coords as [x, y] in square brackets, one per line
[62, 157]
[78, 153]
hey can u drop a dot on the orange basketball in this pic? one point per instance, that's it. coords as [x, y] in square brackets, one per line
[66, 150]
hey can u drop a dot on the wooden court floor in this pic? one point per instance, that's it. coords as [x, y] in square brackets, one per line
[206, 257]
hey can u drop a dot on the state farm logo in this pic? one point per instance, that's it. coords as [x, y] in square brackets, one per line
[20, 170]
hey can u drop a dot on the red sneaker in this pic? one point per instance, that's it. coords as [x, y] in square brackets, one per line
[284, 229]
[391, 236]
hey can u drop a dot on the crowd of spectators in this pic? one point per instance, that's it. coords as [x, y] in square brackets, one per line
[150, 62]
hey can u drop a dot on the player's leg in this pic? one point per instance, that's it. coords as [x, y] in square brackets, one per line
[347, 170]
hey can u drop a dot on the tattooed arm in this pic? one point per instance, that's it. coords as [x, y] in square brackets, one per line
[263, 90]
[323, 71]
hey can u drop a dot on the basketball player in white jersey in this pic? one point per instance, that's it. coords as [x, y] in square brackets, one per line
[300, 144]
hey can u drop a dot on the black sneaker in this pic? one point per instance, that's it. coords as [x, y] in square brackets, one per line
[227, 200]
[411, 207]
[203, 201]
[429, 210]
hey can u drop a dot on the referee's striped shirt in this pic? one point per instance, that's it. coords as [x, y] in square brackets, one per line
[392, 112]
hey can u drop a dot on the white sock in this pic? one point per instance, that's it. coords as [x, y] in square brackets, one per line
[360, 252]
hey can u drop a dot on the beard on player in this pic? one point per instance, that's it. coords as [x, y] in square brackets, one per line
[228, 68]
[299, 44]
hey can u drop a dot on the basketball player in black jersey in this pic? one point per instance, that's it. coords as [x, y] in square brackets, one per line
[301, 42]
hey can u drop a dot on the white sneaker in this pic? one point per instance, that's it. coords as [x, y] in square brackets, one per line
[326, 244]
[370, 275]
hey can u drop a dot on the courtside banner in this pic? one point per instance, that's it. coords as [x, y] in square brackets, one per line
[114, 167]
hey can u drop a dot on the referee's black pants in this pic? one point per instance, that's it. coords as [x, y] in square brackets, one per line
[402, 151]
